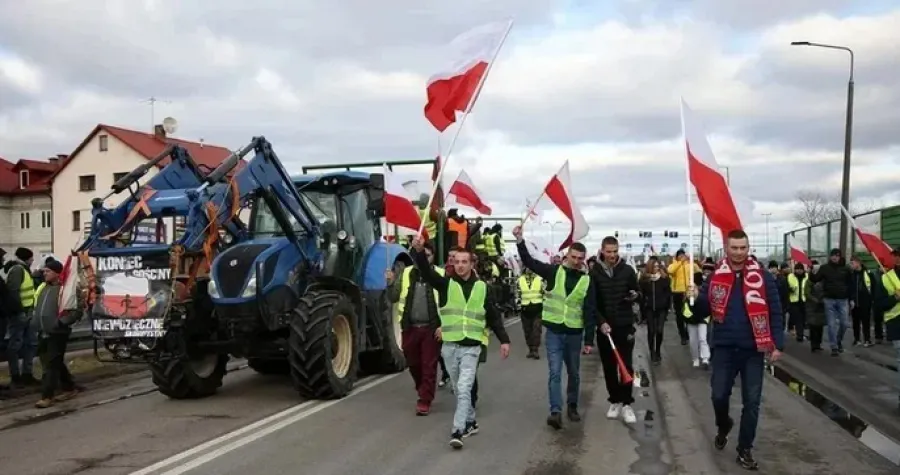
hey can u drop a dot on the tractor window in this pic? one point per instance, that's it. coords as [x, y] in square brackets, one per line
[265, 224]
[321, 204]
[356, 218]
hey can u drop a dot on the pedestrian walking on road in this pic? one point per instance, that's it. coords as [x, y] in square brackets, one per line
[742, 300]
[837, 283]
[569, 308]
[419, 323]
[54, 337]
[891, 304]
[861, 296]
[656, 296]
[815, 309]
[616, 288]
[796, 283]
[698, 325]
[681, 276]
[531, 302]
[466, 311]
[22, 346]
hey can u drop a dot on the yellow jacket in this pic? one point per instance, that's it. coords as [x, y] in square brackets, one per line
[680, 275]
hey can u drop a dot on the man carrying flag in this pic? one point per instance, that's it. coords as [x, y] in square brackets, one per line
[568, 308]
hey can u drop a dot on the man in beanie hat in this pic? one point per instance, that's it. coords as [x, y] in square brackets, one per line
[837, 281]
[19, 304]
[55, 332]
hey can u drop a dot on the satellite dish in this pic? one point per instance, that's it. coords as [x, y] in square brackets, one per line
[170, 125]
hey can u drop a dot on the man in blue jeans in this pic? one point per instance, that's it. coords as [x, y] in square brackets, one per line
[22, 346]
[569, 307]
[837, 283]
[747, 324]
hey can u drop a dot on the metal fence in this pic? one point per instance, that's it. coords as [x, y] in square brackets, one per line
[817, 241]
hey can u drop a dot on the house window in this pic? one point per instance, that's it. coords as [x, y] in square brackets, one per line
[76, 220]
[23, 179]
[119, 176]
[87, 183]
[45, 219]
[103, 141]
[25, 220]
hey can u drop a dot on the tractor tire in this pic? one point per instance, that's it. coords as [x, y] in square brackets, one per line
[390, 358]
[183, 378]
[323, 345]
[269, 366]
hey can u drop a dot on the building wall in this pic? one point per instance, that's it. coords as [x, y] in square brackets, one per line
[68, 196]
[25, 221]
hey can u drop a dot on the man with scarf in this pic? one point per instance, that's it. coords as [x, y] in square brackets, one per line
[743, 301]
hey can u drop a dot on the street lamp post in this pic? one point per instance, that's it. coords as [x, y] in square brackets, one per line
[552, 225]
[768, 250]
[848, 140]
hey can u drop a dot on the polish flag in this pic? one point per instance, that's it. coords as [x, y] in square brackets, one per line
[797, 252]
[398, 209]
[560, 192]
[467, 195]
[68, 292]
[456, 88]
[880, 250]
[529, 210]
[712, 188]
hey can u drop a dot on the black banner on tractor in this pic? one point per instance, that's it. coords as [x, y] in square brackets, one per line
[133, 294]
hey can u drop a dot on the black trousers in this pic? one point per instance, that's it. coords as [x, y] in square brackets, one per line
[52, 353]
[531, 324]
[656, 322]
[797, 321]
[623, 337]
[862, 323]
[815, 336]
[678, 306]
[878, 323]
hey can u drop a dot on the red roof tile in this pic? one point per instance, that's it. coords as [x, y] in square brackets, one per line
[39, 174]
[149, 146]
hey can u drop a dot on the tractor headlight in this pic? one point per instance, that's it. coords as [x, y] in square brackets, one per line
[342, 235]
[250, 289]
[213, 289]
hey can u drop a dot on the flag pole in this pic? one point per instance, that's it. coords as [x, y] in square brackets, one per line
[541, 196]
[462, 122]
[690, 204]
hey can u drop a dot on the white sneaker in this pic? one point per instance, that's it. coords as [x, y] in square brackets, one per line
[696, 363]
[628, 415]
[614, 411]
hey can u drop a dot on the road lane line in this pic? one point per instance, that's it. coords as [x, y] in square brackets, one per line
[214, 454]
[286, 417]
[231, 435]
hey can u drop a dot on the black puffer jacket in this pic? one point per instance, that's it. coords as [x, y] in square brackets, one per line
[836, 280]
[656, 294]
[612, 286]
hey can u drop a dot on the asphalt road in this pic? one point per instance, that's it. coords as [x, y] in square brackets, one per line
[258, 425]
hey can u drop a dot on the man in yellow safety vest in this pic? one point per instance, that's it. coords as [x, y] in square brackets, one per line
[22, 345]
[466, 310]
[531, 302]
[891, 304]
[568, 307]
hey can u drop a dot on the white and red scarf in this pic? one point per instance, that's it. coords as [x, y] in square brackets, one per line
[755, 302]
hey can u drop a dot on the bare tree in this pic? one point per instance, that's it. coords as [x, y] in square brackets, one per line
[815, 208]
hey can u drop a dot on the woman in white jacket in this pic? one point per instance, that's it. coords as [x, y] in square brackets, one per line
[697, 328]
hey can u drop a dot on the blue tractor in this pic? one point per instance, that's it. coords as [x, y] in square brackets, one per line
[299, 288]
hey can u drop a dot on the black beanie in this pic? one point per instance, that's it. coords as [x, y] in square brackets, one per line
[23, 254]
[55, 266]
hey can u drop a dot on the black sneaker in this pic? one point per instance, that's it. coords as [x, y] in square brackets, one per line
[443, 382]
[572, 412]
[471, 429]
[554, 420]
[835, 352]
[456, 440]
[745, 460]
[840, 348]
[721, 439]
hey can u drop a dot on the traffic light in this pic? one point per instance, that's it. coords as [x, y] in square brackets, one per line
[665, 233]
[616, 234]
[673, 234]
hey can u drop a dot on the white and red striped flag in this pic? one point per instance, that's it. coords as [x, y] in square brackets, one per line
[871, 238]
[456, 88]
[559, 190]
[798, 254]
[466, 194]
[398, 209]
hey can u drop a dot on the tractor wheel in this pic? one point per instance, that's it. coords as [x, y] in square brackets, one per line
[390, 358]
[269, 366]
[189, 378]
[323, 345]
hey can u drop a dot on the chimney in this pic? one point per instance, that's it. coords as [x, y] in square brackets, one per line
[53, 160]
[62, 157]
[201, 142]
[159, 132]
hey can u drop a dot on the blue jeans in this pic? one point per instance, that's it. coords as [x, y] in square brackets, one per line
[837, 314]
[22, 344]
[462, 366]
[563, 348]
[727, 363]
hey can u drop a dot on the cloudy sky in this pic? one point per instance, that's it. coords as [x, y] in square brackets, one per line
[596, 83]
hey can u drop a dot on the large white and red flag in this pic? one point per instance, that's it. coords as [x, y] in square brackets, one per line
[712, 187]
[871, 238]
[466, 194]
[798, 254]
[559, 190]
[398, 209]
[456, 87]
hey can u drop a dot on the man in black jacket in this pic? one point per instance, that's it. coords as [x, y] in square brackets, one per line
[616, 286]
[861, 296]
[836, 282]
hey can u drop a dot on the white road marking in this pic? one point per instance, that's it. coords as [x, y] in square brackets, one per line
[287, 417]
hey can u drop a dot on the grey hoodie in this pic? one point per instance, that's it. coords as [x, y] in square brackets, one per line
[46, 310]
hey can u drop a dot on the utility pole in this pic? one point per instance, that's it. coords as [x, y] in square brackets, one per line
[152, 101]
[768, 250]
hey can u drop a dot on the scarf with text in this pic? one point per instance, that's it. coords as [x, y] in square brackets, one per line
[755, 302]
